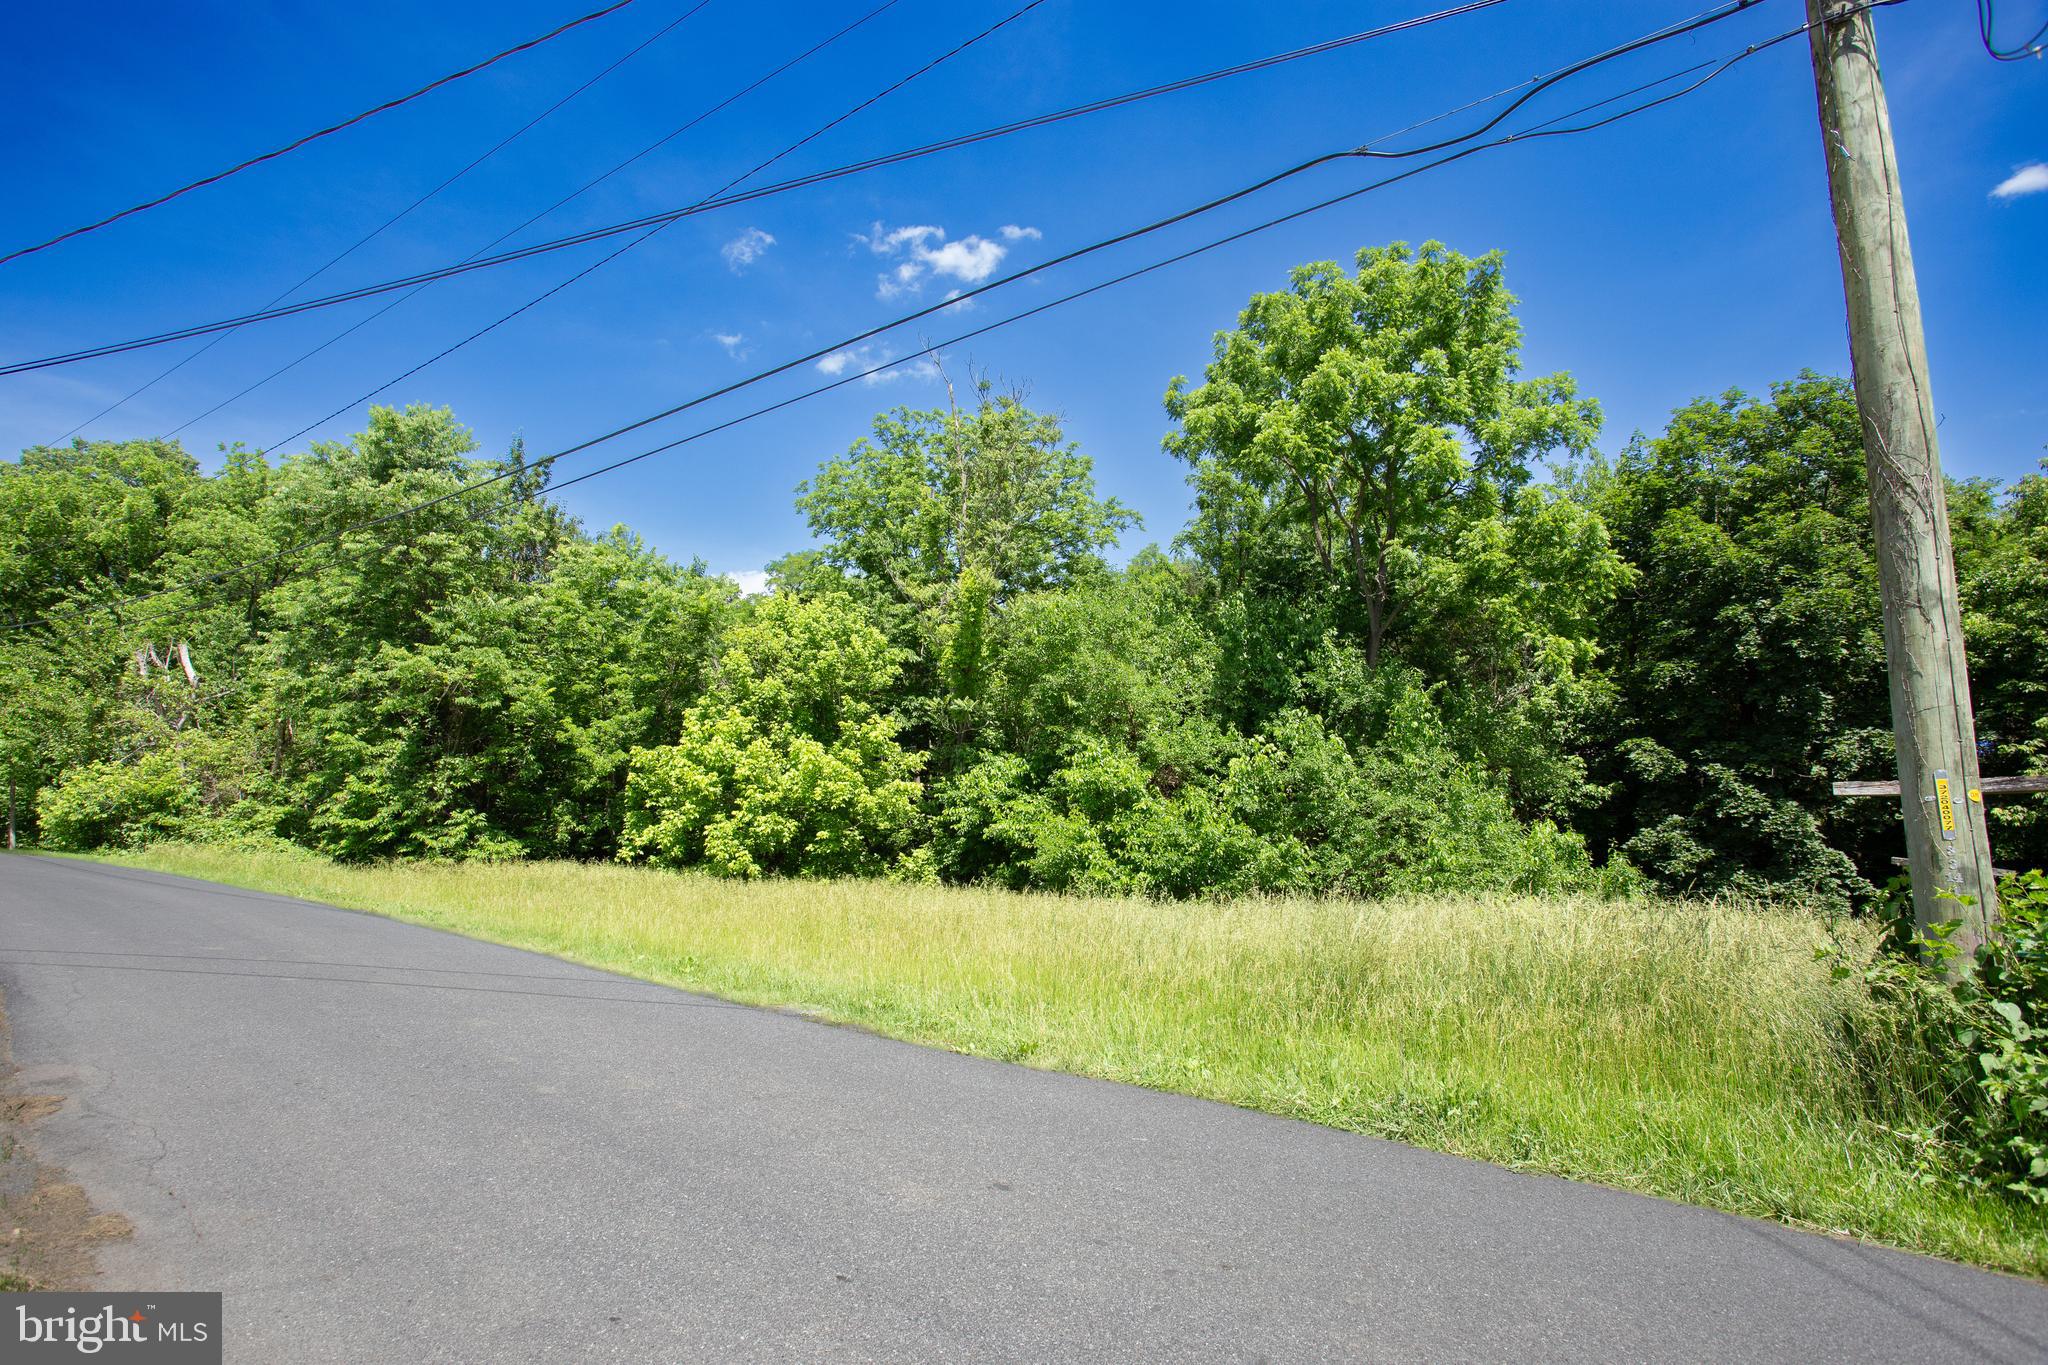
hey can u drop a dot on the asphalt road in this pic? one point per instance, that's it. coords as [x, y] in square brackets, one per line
[385, 1143]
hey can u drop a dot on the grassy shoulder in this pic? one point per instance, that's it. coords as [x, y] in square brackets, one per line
[1693, 1051]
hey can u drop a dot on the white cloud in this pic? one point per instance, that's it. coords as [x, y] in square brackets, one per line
[2031, 178]
[924, 368]
[743, 250]
[888, 243]
[923, 252]
[969, 260]
[864, 358]
[751, 582]
[733, 342]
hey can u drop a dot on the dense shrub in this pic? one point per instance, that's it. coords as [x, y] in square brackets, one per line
[1980, 1039]
[1294, 809]
[1374, 820]
[789, 765]
[120, 805]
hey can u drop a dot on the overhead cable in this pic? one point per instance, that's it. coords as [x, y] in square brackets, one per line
[328, 131]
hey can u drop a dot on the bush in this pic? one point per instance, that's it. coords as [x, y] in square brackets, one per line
[1982, 1041]
[789, 766]
[1295, 810]
[119, 805]
[1404, 816]
[746, 800]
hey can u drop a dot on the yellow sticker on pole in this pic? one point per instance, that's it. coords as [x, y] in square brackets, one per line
[1946, 804]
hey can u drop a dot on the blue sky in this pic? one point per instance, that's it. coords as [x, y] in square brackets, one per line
[1679, 253]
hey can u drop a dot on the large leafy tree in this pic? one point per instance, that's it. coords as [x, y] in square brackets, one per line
[934, 493]
[80, 528]
[475, 685]
[1748, 654]
[627, 641]
[407, 705]
[89, 521]
[937, 522]
[467, 680]
[1374, 424]
[1361, 450]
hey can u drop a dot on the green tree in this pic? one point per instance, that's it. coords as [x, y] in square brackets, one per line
[937, 522]
[2003, 562]
[936, 492]
[790, 764]
[1122, 659]
[88, 522]
[407, 702]
[1095, 714]
[627, 641]
[1373, 423]
[1360, 450]
[1748, 654]
[79, 528]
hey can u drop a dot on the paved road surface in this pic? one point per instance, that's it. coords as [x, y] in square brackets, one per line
[389, 1144]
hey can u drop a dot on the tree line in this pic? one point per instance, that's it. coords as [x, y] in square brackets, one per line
[1420, 633]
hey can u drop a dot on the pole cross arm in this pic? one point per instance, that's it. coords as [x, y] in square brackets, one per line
[1989, 786]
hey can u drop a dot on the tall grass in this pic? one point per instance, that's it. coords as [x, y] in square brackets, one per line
[1696, 1051]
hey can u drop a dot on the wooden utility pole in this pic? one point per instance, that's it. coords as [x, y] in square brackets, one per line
[1946, 841]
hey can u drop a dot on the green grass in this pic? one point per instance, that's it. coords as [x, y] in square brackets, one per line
[1695, 1051]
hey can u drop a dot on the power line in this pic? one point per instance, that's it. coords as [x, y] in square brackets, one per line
[680, 129]
[1987, 24]
[859, 338]
[700, 117]
[1536, 131]
[297, 143]
[1545, 129]
[745, 90]
[651, 220]
[734, 183]
[718, 197]
[366, 321]
[379, 230]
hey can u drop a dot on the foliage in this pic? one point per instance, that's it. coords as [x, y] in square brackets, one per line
[1405, 815]
[789, 765]
[935, 492]
[1747, 655]
[1979, 1035]
[1375, 421]
[1360, 451]
[937, 522]
[1292, 809]
[472, 690]
[2002, 549]
[119, 805]
[1120, 659]
[1386, 656]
